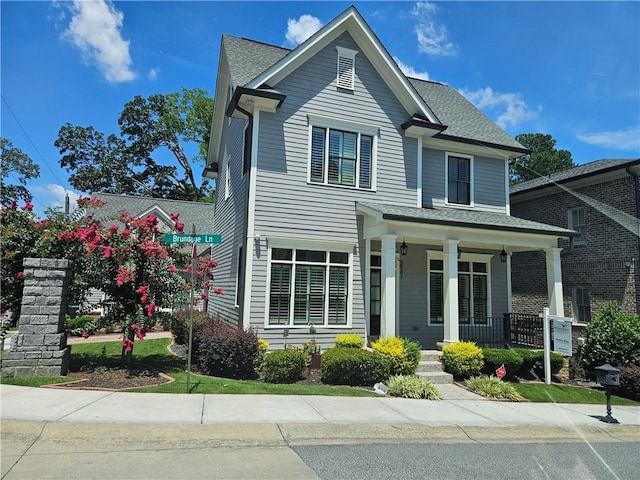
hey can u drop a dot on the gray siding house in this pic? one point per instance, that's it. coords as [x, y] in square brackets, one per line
[357, 200]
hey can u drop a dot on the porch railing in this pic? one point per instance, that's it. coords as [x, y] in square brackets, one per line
[510, 330]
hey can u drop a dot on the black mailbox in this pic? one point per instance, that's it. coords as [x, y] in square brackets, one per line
[606, 375]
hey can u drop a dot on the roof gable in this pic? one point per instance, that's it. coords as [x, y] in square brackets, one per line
[352, 22]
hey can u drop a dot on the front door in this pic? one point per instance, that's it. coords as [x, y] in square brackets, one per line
[375, 295]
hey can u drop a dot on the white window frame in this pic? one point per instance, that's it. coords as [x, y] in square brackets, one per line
[572, 226]
[296, 244]
[346, 126]
[465, 257]
[471, 180]
[346, 68]
[239, 264]
[576, 306]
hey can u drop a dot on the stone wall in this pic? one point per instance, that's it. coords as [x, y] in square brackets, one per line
[40, 347]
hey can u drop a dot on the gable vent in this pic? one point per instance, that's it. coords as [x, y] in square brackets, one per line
[346, 68]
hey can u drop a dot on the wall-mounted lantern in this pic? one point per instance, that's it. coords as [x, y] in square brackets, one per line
[503, 255]
[608, 377]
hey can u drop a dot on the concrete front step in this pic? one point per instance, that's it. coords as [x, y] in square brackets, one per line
[438, 378]
[429, 366]
[430, 355]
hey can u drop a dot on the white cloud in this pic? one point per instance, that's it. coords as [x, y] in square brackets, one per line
[153, 73]
[302, 28]
[95, 29]
[53, 195]
[628, 139]
[510, 108]
[433, 38]
[409, 71]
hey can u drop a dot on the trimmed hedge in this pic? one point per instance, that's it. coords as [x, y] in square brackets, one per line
[496, 357]
[283, 366]
[349, 340]
[403, 354]
[629, 382]
[462, 359]
[224, 351]
[353, 366]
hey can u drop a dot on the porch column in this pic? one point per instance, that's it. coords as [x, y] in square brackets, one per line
[450, 250]
[388, 309]
[554, 281]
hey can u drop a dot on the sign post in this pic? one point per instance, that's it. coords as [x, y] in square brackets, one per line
[193, 239]
[561, 339]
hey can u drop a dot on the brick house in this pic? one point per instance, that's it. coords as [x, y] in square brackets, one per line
[601, 201]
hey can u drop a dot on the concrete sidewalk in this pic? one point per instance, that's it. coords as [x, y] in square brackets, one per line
[311, 412]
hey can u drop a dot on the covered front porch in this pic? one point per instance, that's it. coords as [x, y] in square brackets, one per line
[441, 275]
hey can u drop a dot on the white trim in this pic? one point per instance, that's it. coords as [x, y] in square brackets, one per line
[295, 244]
[367, 287]
[507, 202]
[251, 214]
[471, 180]
[238, 266]
[227, 176]
[419, 175]
[328, 124]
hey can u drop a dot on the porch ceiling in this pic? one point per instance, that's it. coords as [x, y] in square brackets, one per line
[470, 227]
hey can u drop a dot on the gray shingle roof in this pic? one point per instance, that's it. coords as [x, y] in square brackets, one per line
[466, 218]
[462, 118]
[247, 59]
[587, 169]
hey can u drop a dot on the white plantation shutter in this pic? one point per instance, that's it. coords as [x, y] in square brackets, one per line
[279, 294]
[338, 295]
[366, 148]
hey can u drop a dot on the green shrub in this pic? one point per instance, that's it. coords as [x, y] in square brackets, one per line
[492, 387]
[556, 362]
[629, 382]
[462, 359]
[263, 348]
[180, 324]
[611, 337]
[224, 351]
[349, 340]
[403, 354]
[496, 357]
[529, 358]
[353, 366]
[412, 386]
[80, 324]
[283, 366]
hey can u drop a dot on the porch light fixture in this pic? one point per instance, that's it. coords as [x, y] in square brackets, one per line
[404, 248]
[459, 253]
[503, 255]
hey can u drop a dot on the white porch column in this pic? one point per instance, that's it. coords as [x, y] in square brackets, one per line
[554, 281]
[388, 310]
[450, 250]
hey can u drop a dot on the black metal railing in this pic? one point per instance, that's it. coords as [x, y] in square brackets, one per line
[524, 330]
[489, 332]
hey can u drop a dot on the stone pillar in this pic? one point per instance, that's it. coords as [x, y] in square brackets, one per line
[40, 347]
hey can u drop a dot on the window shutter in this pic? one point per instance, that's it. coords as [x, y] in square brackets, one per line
[279, 294]
[366, 148]
[317, 154]
[338, 295]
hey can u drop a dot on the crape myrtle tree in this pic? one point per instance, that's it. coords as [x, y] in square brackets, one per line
[130, 162]
[127, 261]
[138, 272]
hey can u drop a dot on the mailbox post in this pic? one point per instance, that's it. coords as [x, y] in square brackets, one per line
[608, 377]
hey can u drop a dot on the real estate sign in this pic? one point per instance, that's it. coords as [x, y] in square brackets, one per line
[561, 335]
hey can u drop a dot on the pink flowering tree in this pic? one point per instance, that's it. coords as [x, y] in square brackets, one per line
[140, 274]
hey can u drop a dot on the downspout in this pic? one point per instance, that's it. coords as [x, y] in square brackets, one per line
[248, 230]
[636, 182]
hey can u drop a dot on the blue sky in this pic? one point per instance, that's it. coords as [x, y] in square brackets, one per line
[569, 69]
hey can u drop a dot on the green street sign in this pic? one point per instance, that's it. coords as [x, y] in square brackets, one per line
[186, 238]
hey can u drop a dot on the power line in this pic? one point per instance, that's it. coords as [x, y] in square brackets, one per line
[31, 141]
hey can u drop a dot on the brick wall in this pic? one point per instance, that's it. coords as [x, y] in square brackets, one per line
[607, 265]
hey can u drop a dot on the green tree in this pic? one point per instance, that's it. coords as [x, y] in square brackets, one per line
[129, 163]
[18, 164]
[543, 160]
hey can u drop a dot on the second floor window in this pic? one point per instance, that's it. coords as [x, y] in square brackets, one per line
[578, 222]
[341, 157]
[582, 304]
[459, 180]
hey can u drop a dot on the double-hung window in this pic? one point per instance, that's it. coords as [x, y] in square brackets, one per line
[459, 174]
[308, 286]
[582, 304]
[473, 288]
[578, 222]
[342, 155]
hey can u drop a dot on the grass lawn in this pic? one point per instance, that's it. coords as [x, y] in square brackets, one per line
[541, 392]
[154, 353]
